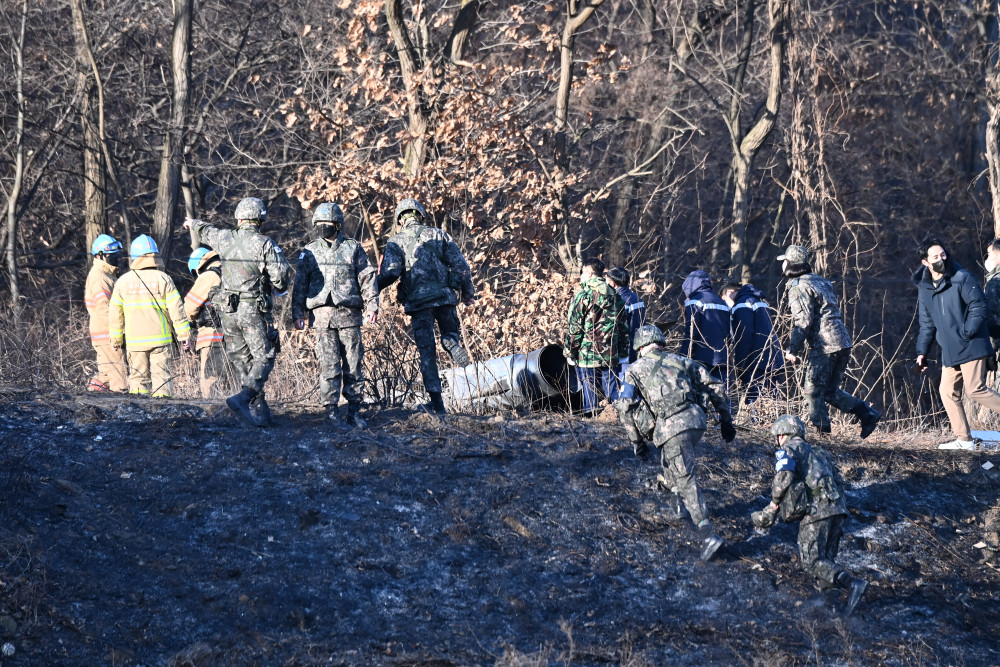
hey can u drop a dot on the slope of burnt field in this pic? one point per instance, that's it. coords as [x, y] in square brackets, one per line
[161, 533]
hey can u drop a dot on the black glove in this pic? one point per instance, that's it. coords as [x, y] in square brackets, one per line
[728, 431]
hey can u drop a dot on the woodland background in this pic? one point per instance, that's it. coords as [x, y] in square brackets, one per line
[663, 135]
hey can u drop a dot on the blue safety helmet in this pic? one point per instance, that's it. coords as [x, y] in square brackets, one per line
[143, 245]
[201, 258]
[105, 244]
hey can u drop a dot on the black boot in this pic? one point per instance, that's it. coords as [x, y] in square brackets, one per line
[710, 540]
[855, 589]
[869, 418]
[260, 411]
[436, 405]
[240, 405]
[675, 508]
[353, 417]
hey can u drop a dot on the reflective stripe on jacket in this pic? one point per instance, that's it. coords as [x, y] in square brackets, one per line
[144, 305]
[96, 294]
[195, 300]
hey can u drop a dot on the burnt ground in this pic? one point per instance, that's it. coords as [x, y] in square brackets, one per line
[162, 533]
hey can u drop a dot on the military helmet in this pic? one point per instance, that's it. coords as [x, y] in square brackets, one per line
[105, 244]
[201, 257]
[143, 245]
[645, 335]
[250, 208]
[408, 205]
[788, 425]
[328, 214]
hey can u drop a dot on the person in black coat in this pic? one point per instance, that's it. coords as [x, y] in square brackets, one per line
[953, 311]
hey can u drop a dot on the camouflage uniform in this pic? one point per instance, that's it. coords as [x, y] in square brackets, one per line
[672, 390]
[333, 281]
[816, 320]
[820, 530]
[597, 337]
[252, 267]
[430, 269]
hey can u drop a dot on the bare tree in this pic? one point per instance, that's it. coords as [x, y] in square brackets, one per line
[14, 194]
[168, 186]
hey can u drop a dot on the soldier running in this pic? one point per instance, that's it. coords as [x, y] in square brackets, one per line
[430, 269]
[816, 321]
[97, 293]
[805, 489]
[252, 268]
[333, 282]
[662, 400]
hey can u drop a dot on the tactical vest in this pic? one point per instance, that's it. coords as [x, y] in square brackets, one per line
[425, 278]
[337, 284]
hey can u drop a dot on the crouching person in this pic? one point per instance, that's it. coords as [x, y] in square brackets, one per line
[660, 401]
[144, 306]
[805, 489]
[333, 283]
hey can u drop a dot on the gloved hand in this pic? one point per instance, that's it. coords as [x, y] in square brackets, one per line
[764, 518]
[570, 361]
[186, 345]
[728, 431]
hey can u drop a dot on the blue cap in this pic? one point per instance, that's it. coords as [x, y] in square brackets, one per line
[143, 245]
[105, 244]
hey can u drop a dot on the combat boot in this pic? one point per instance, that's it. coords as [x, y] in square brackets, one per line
[260, 411]
[675, 507]
[710, 540]
[855, 589]
[353, 417]
[869, 418]
[240, 405]
[436, 405]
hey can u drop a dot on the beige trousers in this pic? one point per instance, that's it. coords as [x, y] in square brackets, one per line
[110, 369]
[972, 377]
[213, 369]
[152, 371]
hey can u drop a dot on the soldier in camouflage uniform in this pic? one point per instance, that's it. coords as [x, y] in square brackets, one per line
[597, 335]
[430, 269]
[816, 321]
[252, 268]
[333, 282]
[663, 400]
[805, 489]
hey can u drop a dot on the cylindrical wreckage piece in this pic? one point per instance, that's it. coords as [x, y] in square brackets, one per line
[532, 380]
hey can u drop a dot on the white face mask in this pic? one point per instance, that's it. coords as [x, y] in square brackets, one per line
[990, 264]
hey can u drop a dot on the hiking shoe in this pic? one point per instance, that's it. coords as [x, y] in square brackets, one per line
[858, 588]
[353, 418]
[967, 445]
[869, 420]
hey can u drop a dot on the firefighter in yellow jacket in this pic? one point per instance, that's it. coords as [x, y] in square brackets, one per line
[144, 305]
[96, 294]
[206, 267]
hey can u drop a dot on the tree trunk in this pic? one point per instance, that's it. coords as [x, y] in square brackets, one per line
[569, 247]
[18, 179]
[464, 24]
[168, 186]
[751, 143]
[409, 65]
[993, 124]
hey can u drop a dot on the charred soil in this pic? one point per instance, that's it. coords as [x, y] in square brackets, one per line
[141, 532]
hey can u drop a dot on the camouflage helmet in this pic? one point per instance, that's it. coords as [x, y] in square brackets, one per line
[408, 205]
[328, 214]
[646, 335]
[250, 208]
[788, 425]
